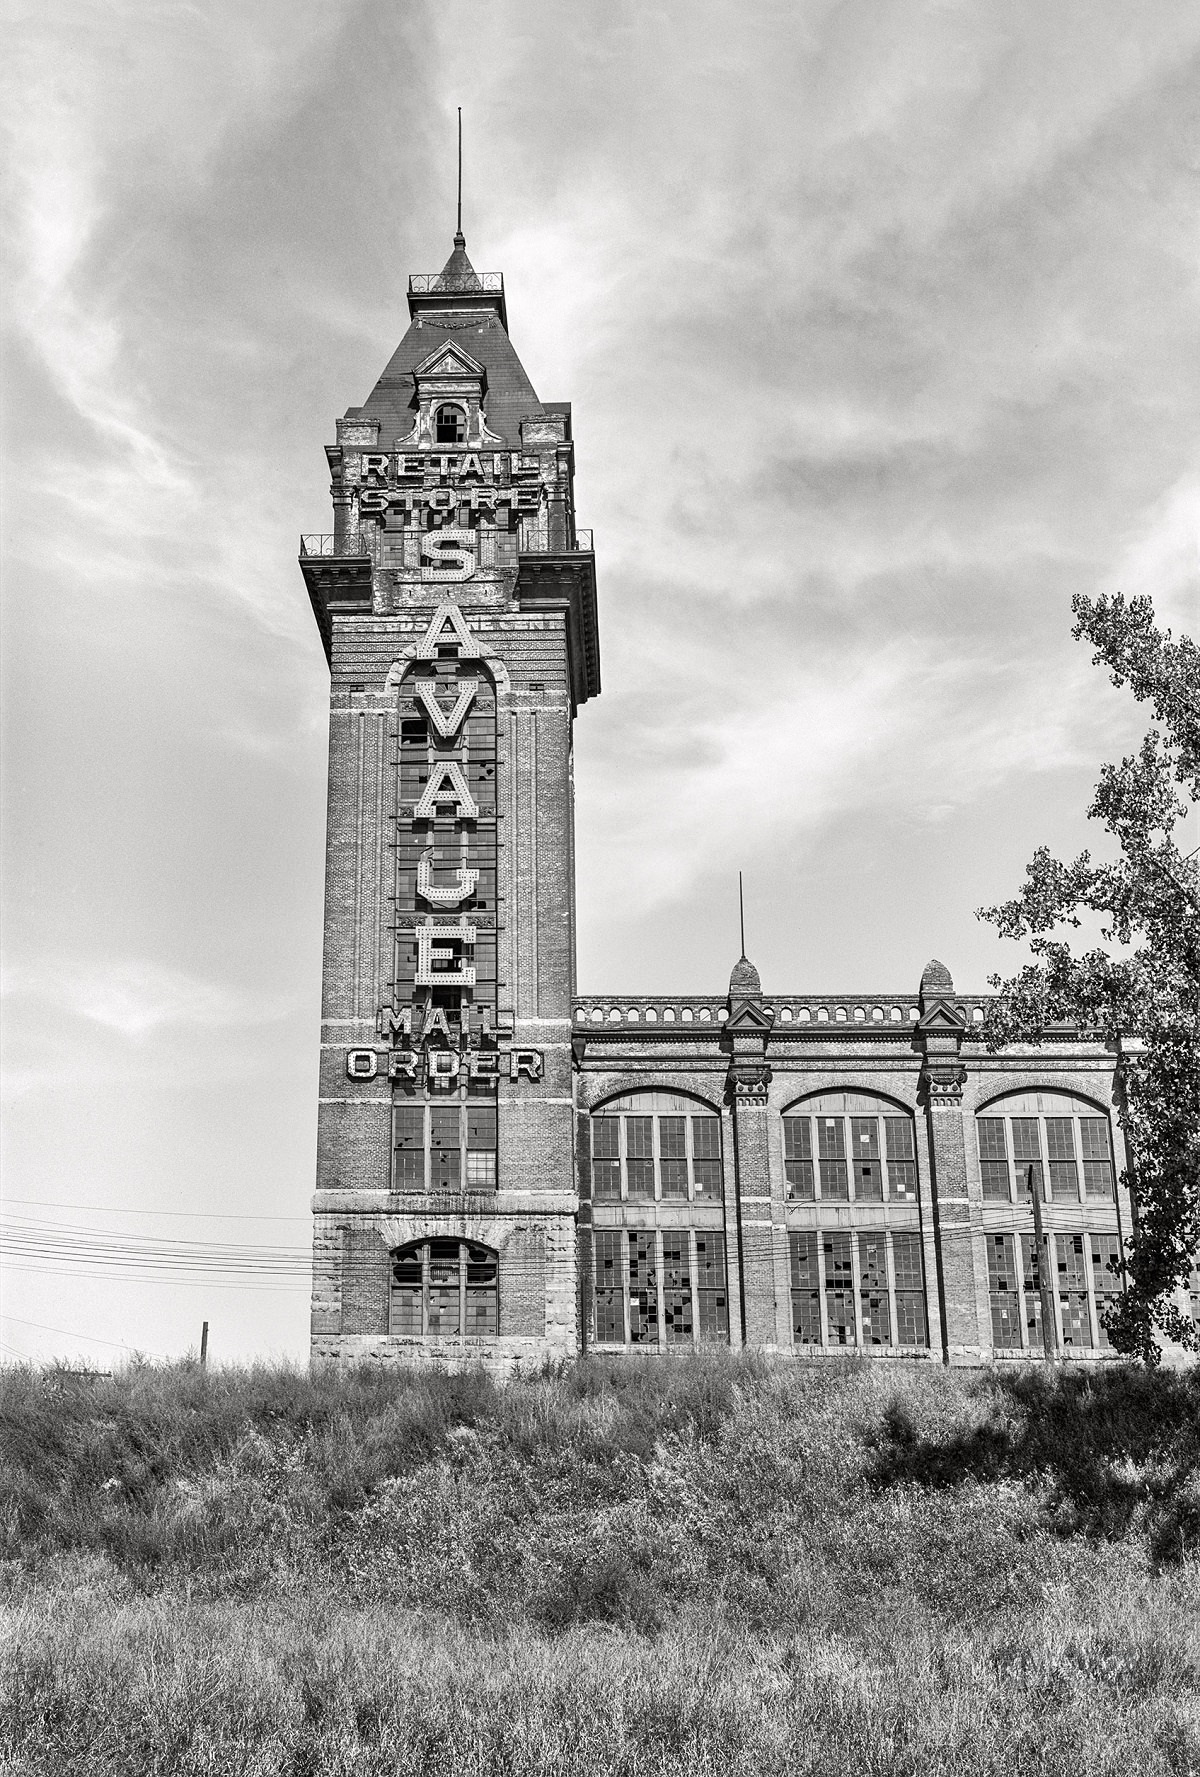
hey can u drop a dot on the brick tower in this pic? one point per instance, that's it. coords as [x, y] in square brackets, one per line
[456, 601]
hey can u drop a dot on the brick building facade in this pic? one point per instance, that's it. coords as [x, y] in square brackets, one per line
[508, 1171]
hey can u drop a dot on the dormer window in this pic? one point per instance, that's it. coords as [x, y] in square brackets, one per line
[450, 425]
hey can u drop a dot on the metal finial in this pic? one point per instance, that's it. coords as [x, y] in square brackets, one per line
[459, 228]
[741, 913]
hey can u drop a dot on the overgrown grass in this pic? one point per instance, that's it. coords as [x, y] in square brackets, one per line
[709, 1566]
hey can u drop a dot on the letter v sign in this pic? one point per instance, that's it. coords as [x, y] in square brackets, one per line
[446, 722]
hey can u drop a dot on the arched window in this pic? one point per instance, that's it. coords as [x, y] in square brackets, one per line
[444, 1289]
[649, 1145]
[843, 1146]
[1061, 1140]
[450, 425]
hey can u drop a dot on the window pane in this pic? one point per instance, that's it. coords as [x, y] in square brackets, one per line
[1076, 1321]
[643, 1289]
[864, 1138]
[797, 1138]
[899, 1132]
[1025, 1139]
[910, 1318]
[995, 1181]
[1060, 1138]
[1006, 1323]
[443, 1292]
[1068, 1253]
[409, 1126]
[799, 1176]
[839, 1291]
[481, 1171]
[991, 1138]
[873, 1293]
[639, 1137]
[803, 1250]
[706, 1177]
[606, 1180]
[834, 1183]
[481, 1126]
[706, 1138]
[1106, 1279]
[1002, 1268]
[1064, 1180]
[606, 1138]
[671, 1141]
[1093, 1137]
[1097, 1178]
[677, 1288]
[906, 1260]
[674, 1178]
[712, 1301]
[445, 1126]
[639, 1176]
[609, 1287]
[444, 1169]
[1033, 1299]
[868, 1180]
[902, 1179]
[831, 1138]
[482, 1294]
[410, 1169]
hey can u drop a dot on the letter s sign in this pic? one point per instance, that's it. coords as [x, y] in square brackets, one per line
[448, 555]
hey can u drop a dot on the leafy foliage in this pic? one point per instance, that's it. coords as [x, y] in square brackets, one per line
[1142, 991]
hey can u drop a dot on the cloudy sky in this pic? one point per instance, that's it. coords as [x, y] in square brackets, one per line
[880, 325]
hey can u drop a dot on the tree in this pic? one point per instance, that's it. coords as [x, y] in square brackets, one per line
[1142, 991]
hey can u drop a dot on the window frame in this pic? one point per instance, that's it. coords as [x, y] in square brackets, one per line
[467, 1256]
[460, 412]
[801, 1117]
[617, 1111]
[707, 1319]
[1082, 1111]
[808, 1269]
[465, 1148]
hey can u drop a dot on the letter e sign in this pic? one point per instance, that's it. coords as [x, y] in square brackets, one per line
[448, 554]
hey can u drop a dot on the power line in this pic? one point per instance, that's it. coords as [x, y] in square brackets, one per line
[95, 1338]
[101, 1209]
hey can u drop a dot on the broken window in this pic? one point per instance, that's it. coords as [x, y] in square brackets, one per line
[677, 1287]
[1003, 1295]
[909, 1272]
[408, 1135]
[1106, 1279]
[445, 1122]
[1033, 1294]
[712, 1300]
[839, 1289]
[609, 1287]
[443, 1287]
[873, 1289]
[1072, 1289]
[643, 1288]
[450, 425]
[441, 1147]
[806, 1288]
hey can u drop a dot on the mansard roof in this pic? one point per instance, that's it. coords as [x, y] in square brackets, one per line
[456, 306]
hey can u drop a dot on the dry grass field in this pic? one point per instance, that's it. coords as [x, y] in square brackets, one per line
[718, 1566]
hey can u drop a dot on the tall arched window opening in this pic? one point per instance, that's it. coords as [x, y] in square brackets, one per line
[849, 1146]
[656, 1145]
[444, 1289]
[1062, 1140]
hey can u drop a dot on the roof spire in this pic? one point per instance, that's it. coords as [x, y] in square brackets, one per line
[741, 913]
[459, 238]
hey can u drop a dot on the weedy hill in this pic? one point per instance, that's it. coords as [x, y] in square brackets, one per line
[703, 1565]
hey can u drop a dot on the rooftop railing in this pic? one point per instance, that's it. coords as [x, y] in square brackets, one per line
[435, 282]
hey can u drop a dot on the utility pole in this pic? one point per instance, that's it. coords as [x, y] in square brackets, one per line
[1041, 1251]
[204, 1346]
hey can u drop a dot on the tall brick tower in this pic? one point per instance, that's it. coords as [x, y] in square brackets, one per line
[457, 603]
